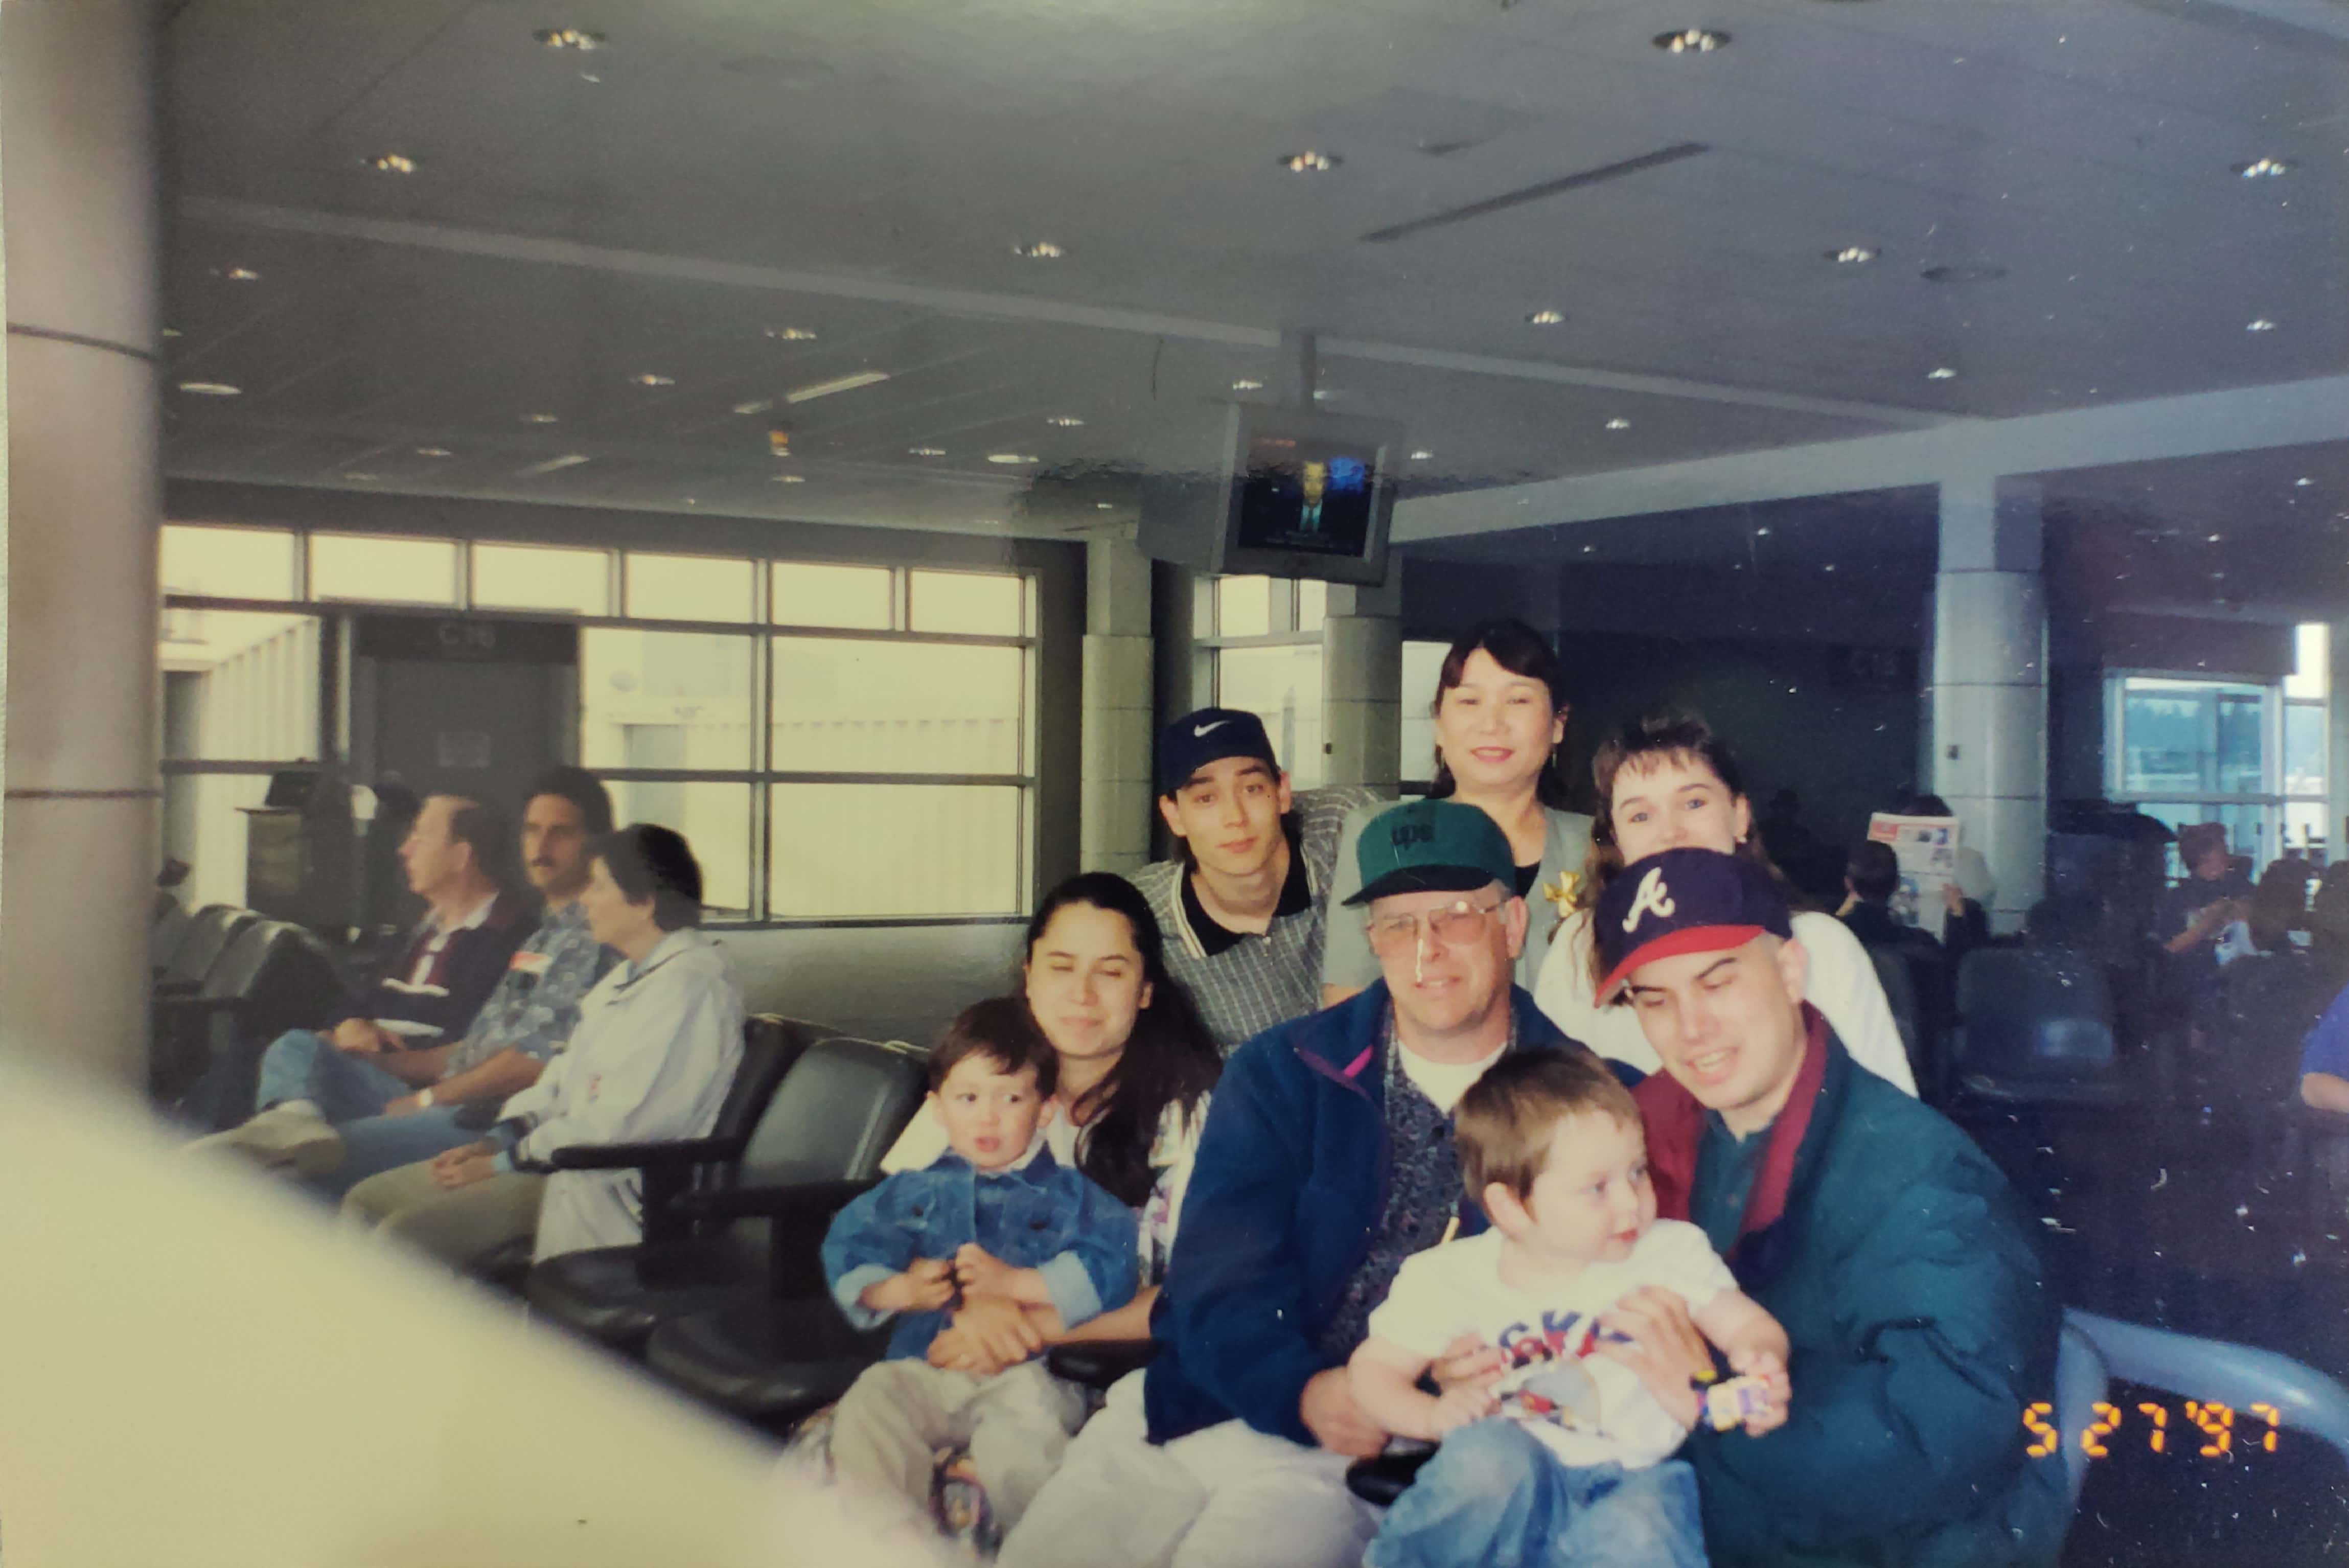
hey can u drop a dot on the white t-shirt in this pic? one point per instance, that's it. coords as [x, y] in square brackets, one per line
[1841, 983]
[1443, 1082]
[1584, 1408]
[1171, 1155]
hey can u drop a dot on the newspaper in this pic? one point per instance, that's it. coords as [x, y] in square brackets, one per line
[1927, 849]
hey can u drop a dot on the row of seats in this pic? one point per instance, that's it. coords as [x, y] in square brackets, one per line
[225, 978]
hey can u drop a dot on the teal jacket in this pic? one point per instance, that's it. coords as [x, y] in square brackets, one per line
[1906, 1274]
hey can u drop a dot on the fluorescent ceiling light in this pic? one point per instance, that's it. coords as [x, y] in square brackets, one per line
[1618, 423]
[652, 378]
[1544, 317]
[393, 163]
[1039, 250]
[838, 384]
[2262, 169]
[434, 452]
[1852, 254]
[569, 38]
[242, 276]
[1941, 373]
[567, 460]
[1310, 163]
[542, 418]
[1011, 457]
[790, 334]
[1691, 41]
[1064, 421]
[755, 406]
[925, 452]
[1247, 384]
[211, 389]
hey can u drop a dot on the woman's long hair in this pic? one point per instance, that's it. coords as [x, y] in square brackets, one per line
[1522, 651]
[1169, 1059]
[1661, 734]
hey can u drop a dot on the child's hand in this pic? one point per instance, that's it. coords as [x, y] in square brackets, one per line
[1458, 1406]
[1468, 1360]
[1779, 1391]
[981, 1273]
[926, 1284]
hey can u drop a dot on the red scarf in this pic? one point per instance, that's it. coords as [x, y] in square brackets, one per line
[1675, 1124]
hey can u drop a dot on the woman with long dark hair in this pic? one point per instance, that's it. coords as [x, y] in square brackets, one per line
[1667, 781]
[1500, 717]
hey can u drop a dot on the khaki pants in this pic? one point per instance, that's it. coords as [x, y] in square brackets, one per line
[886, 1431]
[455, 1225]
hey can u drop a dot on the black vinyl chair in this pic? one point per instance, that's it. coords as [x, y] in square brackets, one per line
[209, 931]
[2034, 1027]
[270, 977]
[1900, 994]
[827, 1120]
[776, 1354]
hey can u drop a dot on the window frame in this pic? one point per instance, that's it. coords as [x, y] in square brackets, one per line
[762, 632]
[2270, 802]
[1286, 597]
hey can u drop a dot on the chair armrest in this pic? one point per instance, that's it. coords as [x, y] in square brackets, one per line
[1097, 1363]
[799, 1200]
[1384, 1477]
[645, 1156]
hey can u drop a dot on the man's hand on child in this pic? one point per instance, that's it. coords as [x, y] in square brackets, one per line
[1468, 1360]
[999, 1330]
[1338, 1423]
[1459, 1405]
[926, 1284]
[1658, 1341]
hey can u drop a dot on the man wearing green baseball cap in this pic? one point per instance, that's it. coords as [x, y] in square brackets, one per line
[1327, 1160]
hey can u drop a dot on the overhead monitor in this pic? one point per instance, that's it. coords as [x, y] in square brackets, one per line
[1274, 492]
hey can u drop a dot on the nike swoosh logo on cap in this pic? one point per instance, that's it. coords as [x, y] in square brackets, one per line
[1199, 731]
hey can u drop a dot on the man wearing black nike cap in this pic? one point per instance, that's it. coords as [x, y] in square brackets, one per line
[1244, 904]
[1894, 1252]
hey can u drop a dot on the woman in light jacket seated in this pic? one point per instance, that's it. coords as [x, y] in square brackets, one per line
[1667, 781]
[658, 1042]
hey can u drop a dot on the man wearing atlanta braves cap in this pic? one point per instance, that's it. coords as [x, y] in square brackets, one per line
[1326, 1162]
[1245, 903]
[1894, 1252]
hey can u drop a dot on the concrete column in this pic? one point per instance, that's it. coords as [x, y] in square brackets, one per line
[1362, 685]
[1113, 829]
[77, 207]
[1988, 702]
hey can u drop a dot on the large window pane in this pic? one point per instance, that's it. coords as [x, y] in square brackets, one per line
[2303, 748]
[239, 685]
[845, 707]
[982, 603]
[1312, 604]
[716, 822]
[665, 700]
[1243, 606]
[228, 562]
[385, 571]
[2312, 663]
[2182, 736]
[854, 596]
[1281, 685]
[529, 577]
[688, 588]
[1422, 666]
[847, 851]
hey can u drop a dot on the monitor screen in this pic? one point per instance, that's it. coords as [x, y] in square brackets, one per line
[1306, 495]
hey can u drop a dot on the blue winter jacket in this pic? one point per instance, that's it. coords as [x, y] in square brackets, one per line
[1284, 1201]
[1044, 1215]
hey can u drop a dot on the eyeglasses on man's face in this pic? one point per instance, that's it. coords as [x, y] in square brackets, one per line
[1449, 926]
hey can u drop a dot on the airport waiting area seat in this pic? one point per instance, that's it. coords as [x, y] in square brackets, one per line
[2035, 1026]
[201, 941]
[269, 976]
[814, 1132]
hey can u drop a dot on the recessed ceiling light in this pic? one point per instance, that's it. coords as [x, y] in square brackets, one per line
[1691, 41]
[790, 334]
[1064, 421]
[567, 460]
[654, 378]
[542, 418]
[1854, 255]
[1323, 394]
[1104, 506]
[837, 384]
[1245, 385]
[170, 332]
[589, 77]
[211, 389]
[1761, 533]
[1544, 317]
[1310, 163]
[2302, 482]
[357, 478]
[1618, 423]
[1982, 273]
[2259, 323]
[392, 163]
[434, 452]
[2215, 538]
[1588, 548]
[242, 276]
[2262, 169]
[1828, 567]
[1011, 457]
[791, 478]
[925, 452]
[755, 406]
[569, 38]
[1039, 250]
[1422, 456]
[1941, 373]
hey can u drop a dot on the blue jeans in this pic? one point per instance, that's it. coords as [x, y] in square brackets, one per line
[375, 1144]
[1494, 1496]
[300, 1065]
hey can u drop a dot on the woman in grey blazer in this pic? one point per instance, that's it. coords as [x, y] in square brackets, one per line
[1499, 721]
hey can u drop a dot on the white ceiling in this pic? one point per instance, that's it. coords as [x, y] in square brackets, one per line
[863, 168]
